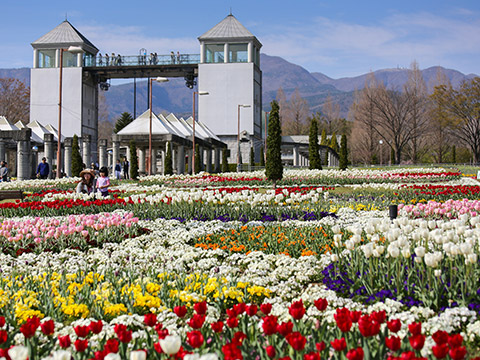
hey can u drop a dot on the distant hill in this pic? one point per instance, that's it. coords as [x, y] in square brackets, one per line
[315, 87]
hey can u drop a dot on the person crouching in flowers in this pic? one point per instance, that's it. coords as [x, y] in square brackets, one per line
[103, 182]
[88, 182]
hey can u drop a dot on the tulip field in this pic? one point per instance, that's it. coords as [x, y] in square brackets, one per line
[227, 267]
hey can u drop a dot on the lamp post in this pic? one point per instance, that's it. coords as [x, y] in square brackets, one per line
[381, 150]
[160, 80]
[74, 50]
[193, 126]
[238, 135]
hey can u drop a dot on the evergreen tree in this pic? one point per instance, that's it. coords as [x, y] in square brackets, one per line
[274, 166]
[252, 156]
[313, 147]
[323, 140]
[334, 143]
[168, 160]
[343, 153]
[224, 160]
[133, 161]
[262, 156]
[77, 162]
[198, 165]
[454, 154]
[124, 119]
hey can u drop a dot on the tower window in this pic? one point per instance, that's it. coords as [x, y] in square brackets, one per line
[69, 59]
[238, 53]
[46, 58]
[215, 53]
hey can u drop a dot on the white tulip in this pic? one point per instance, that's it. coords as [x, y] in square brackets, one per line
[430, 260]
[437, 273]
[112, 356]
[138, 355]
[393, 251]
[380, 249]
[466, 248]
[334, 257]
[209, 357]
[420, 251]
[170, 344]
[350, 245]
[18, 352]
[472, 258]
[191, 357]
[62, 355]
[406, 252]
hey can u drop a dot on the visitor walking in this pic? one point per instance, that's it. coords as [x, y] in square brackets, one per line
[103, 182]
[43, 169]
[3, 171]
[126, 166]
[118, 170]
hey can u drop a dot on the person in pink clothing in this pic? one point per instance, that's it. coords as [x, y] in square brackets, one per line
[103, 182]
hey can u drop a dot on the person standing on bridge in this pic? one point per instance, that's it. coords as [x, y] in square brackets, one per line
[106, 60]
[178, 57]
[99, 59]
[172, 55]
[114, 59]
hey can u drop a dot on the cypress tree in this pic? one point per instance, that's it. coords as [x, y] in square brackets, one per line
[262, 156]
[333, 143]
[77, 163]
[224, 160]
[323, 140]
[124, 119]
[168, 160]
[343, 153]
[313, 147]
[133, 161]
[252, 156]
[198, 165]
[274, 166]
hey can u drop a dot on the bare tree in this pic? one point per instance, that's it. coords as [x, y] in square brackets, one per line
[331, 116]
[14, 100]
[294, 121]
[463, 107]
[105, 126]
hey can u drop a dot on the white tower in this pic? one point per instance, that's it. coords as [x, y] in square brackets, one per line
[229, 70]
[79, 101]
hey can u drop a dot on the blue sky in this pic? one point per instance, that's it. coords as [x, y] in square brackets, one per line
[337, 38]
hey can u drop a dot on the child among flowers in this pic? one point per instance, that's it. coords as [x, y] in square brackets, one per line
[103, 182]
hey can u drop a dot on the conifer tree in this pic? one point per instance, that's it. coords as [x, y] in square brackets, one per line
[343, 153]
[262, 156]
[333, 143]
[252, 156]
[124, 119]
[77, 163]
[198, 165]
[168, 160]
[224, 160]
[274, 166]
[323, 140]
[313, 147]
[133, 161]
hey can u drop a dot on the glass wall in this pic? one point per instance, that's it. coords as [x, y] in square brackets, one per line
[237, 53]
[214, 53]
[46, 58]
[88, 59]
[69, 59]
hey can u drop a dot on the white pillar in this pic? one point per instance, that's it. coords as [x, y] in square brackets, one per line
[86, 154]
[23, 160]
[225, 53]
[202, 53]
[102, 152]
[181, 160]
[250, 52]
[115, 152]
[141, 160]
[35, 58]
[164, 155]
[154, 161]
[68, 156]
[57, 58]
[80, 59]
[295, 156]
[174, 159]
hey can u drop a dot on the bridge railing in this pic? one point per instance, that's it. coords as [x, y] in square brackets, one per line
[142, 60]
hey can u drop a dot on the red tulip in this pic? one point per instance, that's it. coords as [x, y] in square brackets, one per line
[240, 308]
[238, 338]
[342, 318]
[355, 354]
[394, 325]
[266, 308]
[2, 321]
[150, 319]
[180, 311]
[269, 325]
[217, 326]
[96, 326]
[30, 326]
[296, 340]
[455, 340]
[417, 341]
[409, 355]
[320, 346]
[415, 328]
[81, 345]
[64, 341]
[285, 328]
[368, 326]
[379, 316]
[440, 337]
[355, 316]
[440, 351]
[458, 353]
[321, 304]
[200, 308]
[82, 331]
[48, 327]
[339, 344]
[232, 322]
[111, 346]
[231, 352]
[251, 310]
[285, 358]
[3, 336]
[196, 322]
[311, 356]
[195, 339]
[297, 310]
[270, 351]
[393, 343]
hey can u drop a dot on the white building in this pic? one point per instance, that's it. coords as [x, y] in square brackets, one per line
[229, 71]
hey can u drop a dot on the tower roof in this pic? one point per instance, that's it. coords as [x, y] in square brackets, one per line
[63, 35]
[228, 28]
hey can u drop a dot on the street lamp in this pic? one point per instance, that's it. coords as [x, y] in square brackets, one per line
[381, 150]
[160, 80]
[73, 50]
[238, 135]
[193, 127]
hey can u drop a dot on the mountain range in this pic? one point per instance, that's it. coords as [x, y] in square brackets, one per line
[278, 73]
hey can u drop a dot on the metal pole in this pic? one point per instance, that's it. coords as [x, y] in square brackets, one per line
[150, 129]
[193, 134]
[59, 143]
[238, 140]
[134, 98]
